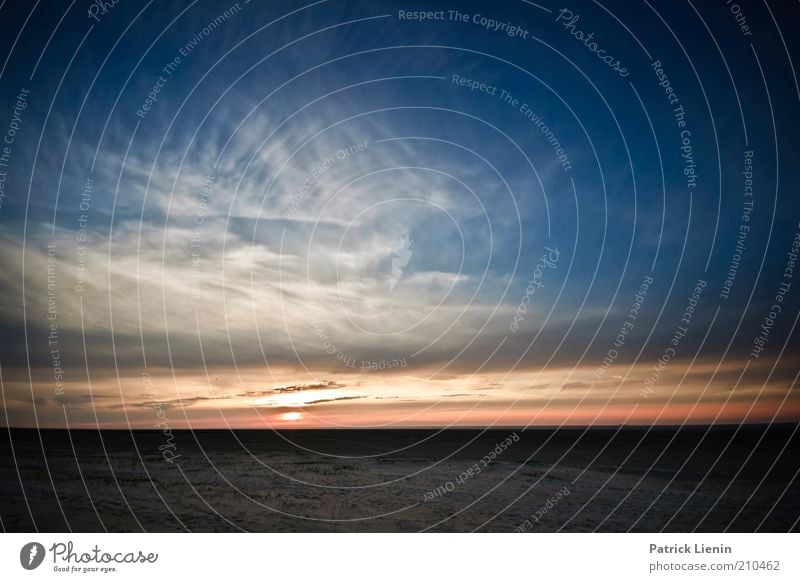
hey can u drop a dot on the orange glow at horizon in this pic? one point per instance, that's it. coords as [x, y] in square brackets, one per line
[558, 397]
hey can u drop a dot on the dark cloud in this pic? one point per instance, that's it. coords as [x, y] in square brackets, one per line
[575, 385]
[323, 400]
[328, 385]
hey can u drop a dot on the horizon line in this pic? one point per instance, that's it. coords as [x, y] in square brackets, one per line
[408, 428]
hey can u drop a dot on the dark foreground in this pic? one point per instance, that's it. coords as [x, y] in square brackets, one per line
[692, 479]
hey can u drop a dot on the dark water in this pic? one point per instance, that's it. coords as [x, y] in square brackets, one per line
[691, 479]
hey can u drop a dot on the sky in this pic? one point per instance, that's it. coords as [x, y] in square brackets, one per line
[398, 214]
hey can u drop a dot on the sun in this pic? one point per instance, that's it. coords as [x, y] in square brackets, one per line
[291, 416]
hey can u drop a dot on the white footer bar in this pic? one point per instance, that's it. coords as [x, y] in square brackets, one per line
[379, 557]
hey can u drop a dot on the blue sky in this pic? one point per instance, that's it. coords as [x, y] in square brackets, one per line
[324, 135]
